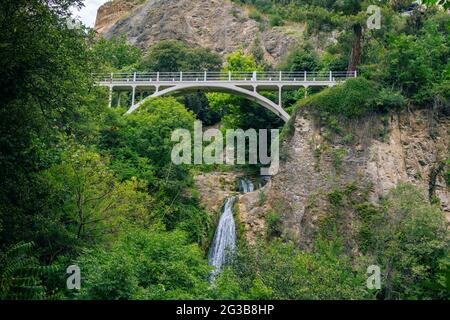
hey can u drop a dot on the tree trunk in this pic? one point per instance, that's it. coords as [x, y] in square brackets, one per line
[355, 55]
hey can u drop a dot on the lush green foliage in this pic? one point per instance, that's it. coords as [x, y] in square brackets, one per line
[116, 54]
[405, 235]
[90, 200]
[175, 56]
[82, 184]
[145, 264]
[47, 96]
[414, 247]
[75, 174]
[238, 112]
[281, 271]
[418, 64]
[354, 98]
[171, 55]
[20, 273]
[444, 3]
[140, 147]
[300, 59]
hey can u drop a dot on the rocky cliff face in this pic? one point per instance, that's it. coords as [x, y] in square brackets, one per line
[215, 187]
[410, 148]
[216, 24]
[112, 11]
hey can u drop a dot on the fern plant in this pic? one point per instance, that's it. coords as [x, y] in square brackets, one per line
[20, 273]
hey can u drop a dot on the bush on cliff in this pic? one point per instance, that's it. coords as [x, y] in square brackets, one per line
[354, 98]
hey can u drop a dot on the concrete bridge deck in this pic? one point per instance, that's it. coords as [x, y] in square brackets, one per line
[245, 84]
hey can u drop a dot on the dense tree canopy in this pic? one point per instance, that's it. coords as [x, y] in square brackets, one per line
[175, 56]
[83, 184]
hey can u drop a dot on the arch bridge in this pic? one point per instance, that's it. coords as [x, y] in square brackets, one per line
[245, 84]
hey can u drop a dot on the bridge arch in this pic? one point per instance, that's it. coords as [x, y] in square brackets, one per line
[252, 95]
[240, 83]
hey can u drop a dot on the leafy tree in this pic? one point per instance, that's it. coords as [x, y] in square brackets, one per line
[415, 244]
[301, 59]
[353, 99]
[403, 234]
[116, 54]
[87, 203]
[140, 146]
[281, 271]
[145, 264]
[174, 56]
[239, 61]
[238, 112]
[416, 63]
[20, 273]
[46, 88]
[165, 56]
[275, 20]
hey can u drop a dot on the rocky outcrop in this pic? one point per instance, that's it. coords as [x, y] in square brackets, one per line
[252, 214]
[112, 11]
[411, 154]
[219, 25]
[215, 187]
[409, 147]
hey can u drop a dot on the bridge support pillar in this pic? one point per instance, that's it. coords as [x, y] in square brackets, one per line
[279, 97]
[118, 99]
[133, 95]
[110, 96]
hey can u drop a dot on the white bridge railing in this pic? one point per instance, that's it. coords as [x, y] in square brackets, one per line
[213, 76]
[241, 83]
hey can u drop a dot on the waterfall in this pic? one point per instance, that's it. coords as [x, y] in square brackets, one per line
[225, 237]
[224, 241]
[245, 186]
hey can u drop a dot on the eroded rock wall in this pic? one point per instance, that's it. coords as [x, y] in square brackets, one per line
[112, 11]
[219, 25]
[400, 148]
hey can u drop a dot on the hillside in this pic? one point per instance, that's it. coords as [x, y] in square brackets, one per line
[221, 26]
[126, 174]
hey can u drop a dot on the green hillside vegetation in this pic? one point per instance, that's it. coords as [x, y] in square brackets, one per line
[82, 184]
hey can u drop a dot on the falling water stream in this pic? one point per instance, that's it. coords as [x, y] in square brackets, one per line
[245, 186]
[224, 242]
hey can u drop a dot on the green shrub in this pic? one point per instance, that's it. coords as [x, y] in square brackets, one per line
[414, 243]
[145, 264]
[20, 273]
[255, 15]
[300, 59]
[354, 98]
[273, 224]
[280, 270]
[447, 173]
[275, 20]
[404, 234]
